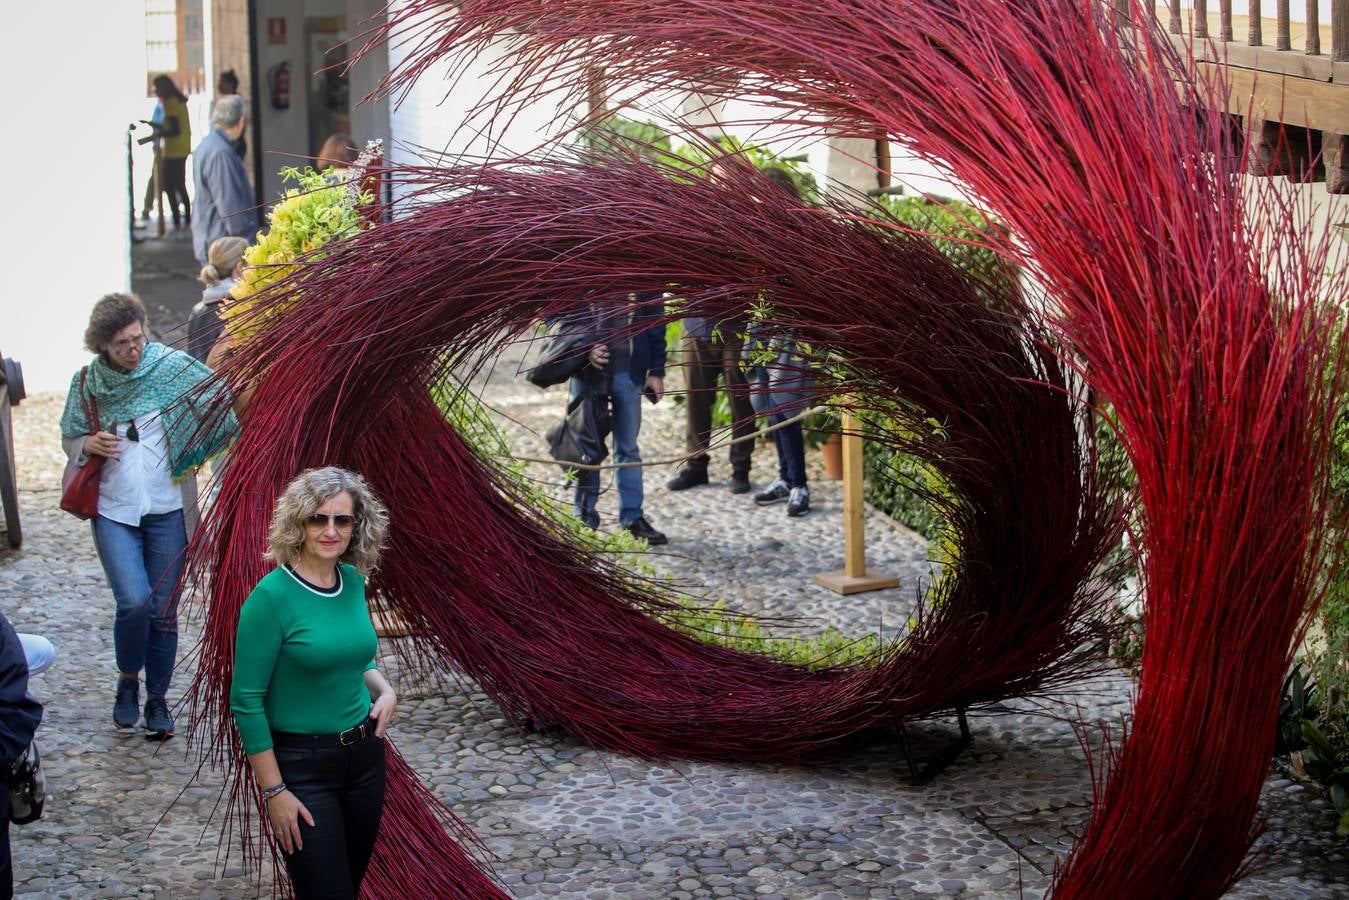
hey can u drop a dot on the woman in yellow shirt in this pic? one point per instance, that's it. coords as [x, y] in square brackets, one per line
[177, 133]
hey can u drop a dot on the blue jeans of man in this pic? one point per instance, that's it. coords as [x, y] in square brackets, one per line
[791, 446]
[143, 564]
[625, 399]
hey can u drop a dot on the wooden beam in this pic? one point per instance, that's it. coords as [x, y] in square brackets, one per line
[1295, 101]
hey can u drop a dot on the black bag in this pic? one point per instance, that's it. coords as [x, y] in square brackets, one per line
[579, 437]
[27, 787]
[564, 354]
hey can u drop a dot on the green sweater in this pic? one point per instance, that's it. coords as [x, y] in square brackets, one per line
[300, 658]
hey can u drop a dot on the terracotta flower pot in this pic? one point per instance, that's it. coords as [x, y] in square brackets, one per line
[832, 452]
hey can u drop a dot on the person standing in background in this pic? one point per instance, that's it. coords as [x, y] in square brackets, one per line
[154, 186]
[225, 263]
[225, 203]
[226, 85]
[176, 131]
[711, 353]
[628, 364]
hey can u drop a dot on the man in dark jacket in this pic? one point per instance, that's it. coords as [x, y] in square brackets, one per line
[19, 718]
[629, 362]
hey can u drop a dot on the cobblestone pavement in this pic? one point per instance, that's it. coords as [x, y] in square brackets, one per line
[563, 819]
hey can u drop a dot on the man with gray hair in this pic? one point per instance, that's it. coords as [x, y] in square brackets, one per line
[224, 203]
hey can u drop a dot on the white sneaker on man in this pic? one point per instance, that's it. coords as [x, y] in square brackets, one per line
[776, 492]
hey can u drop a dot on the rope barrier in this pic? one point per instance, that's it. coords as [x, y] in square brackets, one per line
[674, 460]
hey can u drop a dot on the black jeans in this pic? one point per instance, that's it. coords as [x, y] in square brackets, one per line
[343, 789]
[175, 185]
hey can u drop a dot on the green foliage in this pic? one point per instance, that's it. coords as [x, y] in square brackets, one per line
[716, 625]
[620, 134]
[695, 159]
[1313, 751]
[956, 229]
[304, 220]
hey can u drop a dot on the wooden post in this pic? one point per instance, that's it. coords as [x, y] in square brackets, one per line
[854, 577]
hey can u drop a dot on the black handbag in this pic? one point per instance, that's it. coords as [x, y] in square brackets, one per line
[579, 437]
[27, 785]
[564, 354]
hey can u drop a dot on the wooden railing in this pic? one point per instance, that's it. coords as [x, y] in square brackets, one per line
[1280, 75]
[1297, 48]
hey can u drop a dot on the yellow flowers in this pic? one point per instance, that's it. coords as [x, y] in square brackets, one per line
[300, 224]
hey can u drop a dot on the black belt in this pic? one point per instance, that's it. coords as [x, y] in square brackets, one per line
[353, 735]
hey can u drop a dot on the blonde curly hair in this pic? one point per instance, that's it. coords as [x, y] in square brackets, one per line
[305, 494]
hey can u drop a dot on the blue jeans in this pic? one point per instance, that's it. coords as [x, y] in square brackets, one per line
[791, 444]
[143, 564]
[625, 398]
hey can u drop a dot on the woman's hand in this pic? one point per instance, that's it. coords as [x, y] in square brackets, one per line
[655, 385]
[285, 811]
[382, 711]
[599, 356]
[102, 443]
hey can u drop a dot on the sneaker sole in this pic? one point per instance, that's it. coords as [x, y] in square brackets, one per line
[796, 514]
[160, 736]
[774, 502]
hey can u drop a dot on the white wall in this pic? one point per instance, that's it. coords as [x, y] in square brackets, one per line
[369, 120]
[284, 132]
[431, 123]
[65, 227]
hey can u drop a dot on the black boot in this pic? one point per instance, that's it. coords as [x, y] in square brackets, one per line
[740, 482]
[691, 475]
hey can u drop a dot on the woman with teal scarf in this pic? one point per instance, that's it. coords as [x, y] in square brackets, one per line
[155, 428]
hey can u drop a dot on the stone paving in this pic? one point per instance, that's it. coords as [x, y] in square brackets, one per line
[126, 818]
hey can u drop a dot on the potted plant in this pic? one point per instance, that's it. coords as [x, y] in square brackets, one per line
[823, 429]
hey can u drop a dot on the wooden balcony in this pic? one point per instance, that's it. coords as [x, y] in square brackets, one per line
[1278, 71]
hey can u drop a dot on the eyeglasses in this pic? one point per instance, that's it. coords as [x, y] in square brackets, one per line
[126, 344]
[319, 520]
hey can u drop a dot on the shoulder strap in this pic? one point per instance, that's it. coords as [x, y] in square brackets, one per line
[90, 404]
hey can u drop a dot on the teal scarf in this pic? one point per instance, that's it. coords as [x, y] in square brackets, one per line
[198, 424]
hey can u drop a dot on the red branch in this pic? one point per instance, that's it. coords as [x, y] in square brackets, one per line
[557, 634]
[1077, 129]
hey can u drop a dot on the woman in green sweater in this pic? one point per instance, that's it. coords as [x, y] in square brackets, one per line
[311, 707]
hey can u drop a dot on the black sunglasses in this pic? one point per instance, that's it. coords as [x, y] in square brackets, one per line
[319, 520]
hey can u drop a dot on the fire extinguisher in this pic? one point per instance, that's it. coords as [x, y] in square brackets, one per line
[278, 85]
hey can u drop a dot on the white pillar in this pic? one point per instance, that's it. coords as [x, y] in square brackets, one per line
[851, 164]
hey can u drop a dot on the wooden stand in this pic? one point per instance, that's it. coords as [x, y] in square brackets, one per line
[855, 577]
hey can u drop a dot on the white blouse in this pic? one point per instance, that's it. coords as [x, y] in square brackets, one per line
[138, 483]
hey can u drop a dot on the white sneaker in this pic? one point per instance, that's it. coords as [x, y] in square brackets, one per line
[776, 492]
[798, 501]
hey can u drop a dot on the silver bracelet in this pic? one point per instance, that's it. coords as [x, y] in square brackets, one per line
[269, 793]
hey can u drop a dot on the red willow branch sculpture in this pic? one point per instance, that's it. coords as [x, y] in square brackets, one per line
[1191, 303]
[555, 633]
